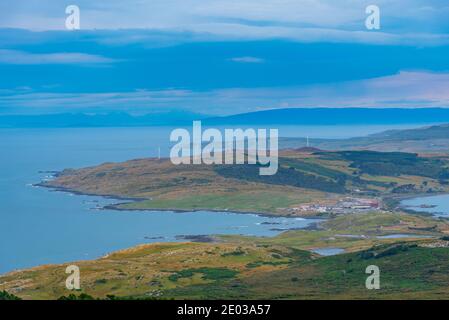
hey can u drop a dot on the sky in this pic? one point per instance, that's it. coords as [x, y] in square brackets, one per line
[221, 57]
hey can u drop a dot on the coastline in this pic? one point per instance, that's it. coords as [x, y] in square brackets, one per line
[174, 210]
[399, 199]
[312, 226]
[79, 193]
[181, 238]
[104, 256]
[393, 202]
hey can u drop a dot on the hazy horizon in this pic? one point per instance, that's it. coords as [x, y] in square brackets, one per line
[221, 58]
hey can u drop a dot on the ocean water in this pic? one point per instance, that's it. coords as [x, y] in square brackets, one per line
[40, 226]
[440, 205]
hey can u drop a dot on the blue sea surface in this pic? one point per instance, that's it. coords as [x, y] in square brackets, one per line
[439, 203]
[41, 226]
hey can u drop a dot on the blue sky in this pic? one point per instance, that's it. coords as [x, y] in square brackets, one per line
[221, 57]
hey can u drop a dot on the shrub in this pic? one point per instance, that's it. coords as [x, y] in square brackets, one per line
[7, 296]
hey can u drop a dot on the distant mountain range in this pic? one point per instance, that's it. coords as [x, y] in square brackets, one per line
[69, 120]
[336, 116]
[304, 116]
[430, 139]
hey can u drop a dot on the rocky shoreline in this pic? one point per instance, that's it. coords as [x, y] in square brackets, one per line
[116, 206]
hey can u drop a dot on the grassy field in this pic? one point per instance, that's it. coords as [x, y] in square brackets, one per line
[262, 201]
[212, 271]
[244, 267]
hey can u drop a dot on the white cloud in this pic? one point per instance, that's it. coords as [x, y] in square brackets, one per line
[247, 60]
[26, 58]
[300, 20]
[405, 89]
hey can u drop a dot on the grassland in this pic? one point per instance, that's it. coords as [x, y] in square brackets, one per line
[244, 267]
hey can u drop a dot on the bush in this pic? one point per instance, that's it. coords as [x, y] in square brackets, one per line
[7, 296]
[208, 273]
[72, 296]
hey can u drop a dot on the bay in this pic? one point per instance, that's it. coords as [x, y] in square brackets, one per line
[437, 205]
[40, 226]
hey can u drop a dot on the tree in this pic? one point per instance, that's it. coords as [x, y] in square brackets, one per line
[7, 296]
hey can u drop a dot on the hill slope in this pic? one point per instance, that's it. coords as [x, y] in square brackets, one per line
[333, 116]
[317, 178]
[432, 139]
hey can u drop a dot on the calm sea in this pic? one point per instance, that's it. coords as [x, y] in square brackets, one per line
[437, 205]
